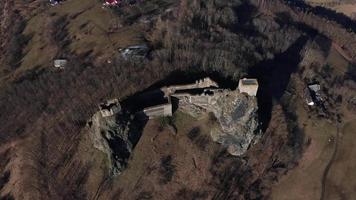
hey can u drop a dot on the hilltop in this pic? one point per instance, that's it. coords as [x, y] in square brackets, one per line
[124, 51]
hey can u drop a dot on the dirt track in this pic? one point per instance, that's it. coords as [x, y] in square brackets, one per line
[342, 52]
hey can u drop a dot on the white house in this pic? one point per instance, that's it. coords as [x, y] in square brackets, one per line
[60, 63]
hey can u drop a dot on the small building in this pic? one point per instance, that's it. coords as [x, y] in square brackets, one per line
[163, 110]
[134, 52]
[315, 92]
[248, 86]
[60, 63]
[110, 108]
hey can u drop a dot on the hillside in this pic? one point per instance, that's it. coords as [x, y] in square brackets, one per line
[45, 144]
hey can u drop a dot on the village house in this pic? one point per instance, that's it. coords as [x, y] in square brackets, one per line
[60, 63]
[111, 2]
[308, 97]
[315, 92]
[312, 94]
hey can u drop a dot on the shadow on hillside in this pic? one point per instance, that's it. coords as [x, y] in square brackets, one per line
[273, 76]
[329, 14]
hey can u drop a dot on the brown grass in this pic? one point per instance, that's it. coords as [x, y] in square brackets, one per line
[340, 181]
[89, 27]
[191, 163]
[304, 181]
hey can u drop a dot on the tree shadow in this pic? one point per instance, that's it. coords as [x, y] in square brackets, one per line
[329, 14]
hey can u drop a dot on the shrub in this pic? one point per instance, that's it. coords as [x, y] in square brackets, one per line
[351, 72]
[17, 43]
[7, 197]
[166, 121]
[194, 133]
[212, 118]
[144, 195]
[202, 141]
[4, 179]
[188, 194]
[167, 169]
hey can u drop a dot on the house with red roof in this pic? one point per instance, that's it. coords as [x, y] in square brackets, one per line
[111, 2]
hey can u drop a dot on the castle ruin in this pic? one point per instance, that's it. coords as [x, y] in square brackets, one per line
[109, 108]
[235, 110]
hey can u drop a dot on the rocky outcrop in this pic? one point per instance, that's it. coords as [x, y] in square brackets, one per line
[111, 135]
[236, 114]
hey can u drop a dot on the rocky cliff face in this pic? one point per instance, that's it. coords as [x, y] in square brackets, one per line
[111, 135]
[236, 114]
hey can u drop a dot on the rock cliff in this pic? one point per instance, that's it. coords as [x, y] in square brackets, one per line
[236, 114]
[113, 136]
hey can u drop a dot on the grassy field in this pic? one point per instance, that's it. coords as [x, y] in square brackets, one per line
[304, 182]
[338, 63]
[190, 160]
[340, 183]
[95, 28]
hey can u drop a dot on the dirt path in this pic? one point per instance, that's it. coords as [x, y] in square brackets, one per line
[342, 52]
[328, 166]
